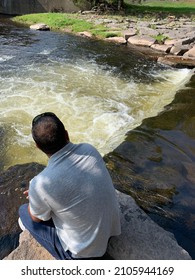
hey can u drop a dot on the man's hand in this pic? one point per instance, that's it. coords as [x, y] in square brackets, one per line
[26, 193]
[35, 219]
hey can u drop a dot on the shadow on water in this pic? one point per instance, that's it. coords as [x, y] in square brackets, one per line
[155, 165]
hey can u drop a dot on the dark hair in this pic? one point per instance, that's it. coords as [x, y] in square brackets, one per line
[49, 133]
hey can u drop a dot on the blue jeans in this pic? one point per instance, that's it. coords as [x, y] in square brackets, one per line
[45, 233]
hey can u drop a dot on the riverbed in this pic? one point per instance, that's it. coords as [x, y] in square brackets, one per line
[101, 91]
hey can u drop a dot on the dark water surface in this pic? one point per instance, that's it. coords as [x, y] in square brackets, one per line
[113, 98]
[156, 165]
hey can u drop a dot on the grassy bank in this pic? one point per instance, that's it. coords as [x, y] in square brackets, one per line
[78, 23]
[176, 8]
[67, 22]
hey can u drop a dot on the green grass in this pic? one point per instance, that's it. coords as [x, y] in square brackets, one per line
[59, 21]
[160, 38]
[162, 7]
[171, 4]
[55, 21]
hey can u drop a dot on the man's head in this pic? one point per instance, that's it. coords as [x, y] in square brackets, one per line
[49, 133]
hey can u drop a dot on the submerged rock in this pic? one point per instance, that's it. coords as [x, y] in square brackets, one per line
[177, 61]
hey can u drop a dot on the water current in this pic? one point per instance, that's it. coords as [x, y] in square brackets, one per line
[99, 90]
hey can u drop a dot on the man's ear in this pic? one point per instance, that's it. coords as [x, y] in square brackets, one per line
[49, 155]
[37, 146]
[67, 136]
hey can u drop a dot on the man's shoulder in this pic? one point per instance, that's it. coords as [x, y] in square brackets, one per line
[39, 177]
[87, 146]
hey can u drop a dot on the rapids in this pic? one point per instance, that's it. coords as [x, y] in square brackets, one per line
[99, 91]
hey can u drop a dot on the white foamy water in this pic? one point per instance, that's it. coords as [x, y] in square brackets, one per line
[5, 58]
[95, 105]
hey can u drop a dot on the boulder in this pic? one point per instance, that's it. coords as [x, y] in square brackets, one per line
[149, 31]
[40, 26]
[190, 53]
[162, 48]
[142, 40]
[177, 61]
[118, 40]
[29, 249]
[179, 49]
[129, 33]
[183, 41]
[141, 239]
[85, 34]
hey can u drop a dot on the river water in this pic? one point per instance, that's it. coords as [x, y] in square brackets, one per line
[99, 90]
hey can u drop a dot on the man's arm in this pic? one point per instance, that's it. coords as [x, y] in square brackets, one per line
[35, 219]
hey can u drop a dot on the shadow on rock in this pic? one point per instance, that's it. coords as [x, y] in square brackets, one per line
[13, 182]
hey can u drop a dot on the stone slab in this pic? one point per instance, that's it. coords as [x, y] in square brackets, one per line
[177, 61]
[141, 239]
[129, 33]
[29, 249]
[142, 40]
[179, 49]
[118, 40]
[190, 53]
[162, 48]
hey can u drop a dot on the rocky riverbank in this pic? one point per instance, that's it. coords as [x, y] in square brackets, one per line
[170, 40]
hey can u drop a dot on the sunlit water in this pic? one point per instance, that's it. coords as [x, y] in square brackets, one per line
[97, 99]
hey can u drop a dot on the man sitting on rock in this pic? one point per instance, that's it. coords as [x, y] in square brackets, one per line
[72, 209]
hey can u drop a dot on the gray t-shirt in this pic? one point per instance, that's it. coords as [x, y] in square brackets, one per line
[76, 191]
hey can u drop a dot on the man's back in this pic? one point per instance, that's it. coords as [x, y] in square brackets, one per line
[76, 191]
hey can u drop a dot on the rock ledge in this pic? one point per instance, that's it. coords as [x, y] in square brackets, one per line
[141, 239]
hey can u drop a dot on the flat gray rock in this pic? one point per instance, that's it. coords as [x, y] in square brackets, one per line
[162, 48]
[142, 40]
[190, 53]
[141, 238]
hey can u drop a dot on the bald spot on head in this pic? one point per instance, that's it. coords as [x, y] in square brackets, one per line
[49, 134]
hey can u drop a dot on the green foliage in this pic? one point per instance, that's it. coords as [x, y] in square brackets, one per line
[160, 38]
[171, 4]
[161, 7]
